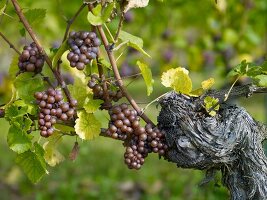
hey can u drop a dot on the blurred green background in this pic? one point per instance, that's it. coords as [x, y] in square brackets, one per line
[207, 38]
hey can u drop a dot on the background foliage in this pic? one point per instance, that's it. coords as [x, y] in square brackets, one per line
[206, 38]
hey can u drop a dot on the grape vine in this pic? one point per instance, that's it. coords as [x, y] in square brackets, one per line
[42, 100]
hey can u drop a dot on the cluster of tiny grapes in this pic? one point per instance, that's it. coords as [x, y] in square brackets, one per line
[31, 60]
[139, 141]
[97, 86]
[156, 140]
[150, 140]
[83, 48]
[123, 122]
[53, 108]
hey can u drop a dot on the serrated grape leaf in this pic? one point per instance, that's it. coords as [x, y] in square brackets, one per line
[92, 105]
[32, 162]
[52, 156]
[134, 4]
[13, 68]
[59, 53]
[132, 41]
[178, 79]
[13, 111]
[87, 126]
[147, 75]
[100, 15]
[79, 91]
[209, 102]
[18, 140]
[261, 80]
[35, 16]
[31, 108]
[26, 85]
[207, 84]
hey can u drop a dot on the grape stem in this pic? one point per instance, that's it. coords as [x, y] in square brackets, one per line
[40, 48]
[9, 43]
[70, 21]
[119, 27]
[117, 74]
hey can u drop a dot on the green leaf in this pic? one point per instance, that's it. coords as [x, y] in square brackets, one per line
[87, 126]
[14, 111]
[79, 91]
[52, 155]
[132, 41]
[104, 63]
[32, 162]
[59, 53]
[264, 67]
[147, 75]
[100, 15]
[92, 105]
[22, 32]
[210, 102]
[178, 79]
[35, 16]
[261, 80]
[26, 86]
[13, 68]
[18, 140]
[64, 128]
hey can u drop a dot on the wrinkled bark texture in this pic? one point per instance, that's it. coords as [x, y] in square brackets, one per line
[230, 142]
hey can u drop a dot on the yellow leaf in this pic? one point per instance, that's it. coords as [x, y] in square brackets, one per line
[52, 155]
[207, 84]
[178, 79]
[197, 92]
[87, 126]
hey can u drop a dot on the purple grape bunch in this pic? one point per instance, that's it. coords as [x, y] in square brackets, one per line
[84, 47]
[53, 108]
[31, 60]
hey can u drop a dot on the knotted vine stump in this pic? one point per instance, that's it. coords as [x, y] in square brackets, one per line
[230, 142]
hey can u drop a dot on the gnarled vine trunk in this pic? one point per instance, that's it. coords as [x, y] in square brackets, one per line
[230, 142]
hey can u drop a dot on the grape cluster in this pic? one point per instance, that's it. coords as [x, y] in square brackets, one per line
[83, 48]
[123, 122]
[53, 108]
[31, 60]
[150, 140]
[133, 158]
[156, 140]
[97, 86]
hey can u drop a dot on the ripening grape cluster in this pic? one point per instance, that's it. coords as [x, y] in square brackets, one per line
[31, 60]
[151, 140]
[123, 122]
[83, 48]
[125, 125]
[97, 86]
[53, 108]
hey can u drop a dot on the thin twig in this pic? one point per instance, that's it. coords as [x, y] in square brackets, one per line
[119, 28]
[70, 22]
[117, 74]
[10, 44]
[2, 17]
[40, 48]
